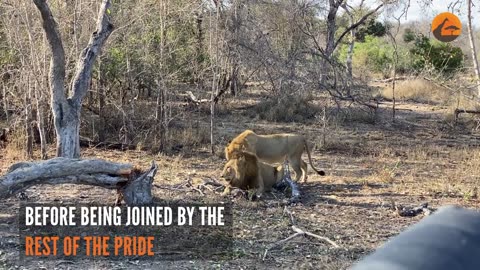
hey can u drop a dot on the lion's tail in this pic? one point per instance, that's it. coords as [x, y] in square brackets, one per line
[320, 172]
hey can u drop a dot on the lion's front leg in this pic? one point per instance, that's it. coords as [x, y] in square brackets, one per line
[260, 187]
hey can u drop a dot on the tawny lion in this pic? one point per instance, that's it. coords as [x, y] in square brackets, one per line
[273, 149]
[246, 172]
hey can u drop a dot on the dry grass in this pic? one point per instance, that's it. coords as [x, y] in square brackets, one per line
[286, 108]
[418, 90]
[190, 137]
[15, 148]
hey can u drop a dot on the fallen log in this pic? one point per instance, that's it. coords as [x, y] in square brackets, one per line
[459, 111]
[133, 185]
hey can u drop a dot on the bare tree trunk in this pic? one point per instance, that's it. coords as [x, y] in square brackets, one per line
[472, 44]
[395, 63]
[394, 101]
[161, 114]
[5, 102]
[235, 57]
[101, 104]
[212, 122]
[67, 128]
[215, 79]
[66, 111]
[28, 121]
[330, 37]
[332, 26]
[199, 48]
[331, 42]
[40, 106]
[350, 46]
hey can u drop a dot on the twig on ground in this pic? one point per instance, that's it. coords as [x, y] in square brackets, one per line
[196, 189]
[280, 243]
[204, 186]
[213, 182]
[298, 232]
[323, 238]
[167, 187]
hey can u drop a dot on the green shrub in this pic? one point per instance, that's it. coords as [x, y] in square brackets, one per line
[439, 56]
[375, 54]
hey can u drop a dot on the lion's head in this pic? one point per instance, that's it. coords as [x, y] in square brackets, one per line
[234, 169]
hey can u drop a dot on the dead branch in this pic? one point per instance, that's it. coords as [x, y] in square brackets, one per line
[298, 232]
[323, 238]
[82, 78]
[168, 187]
[281, 242]
[459, 111]
[199, 191]
[412, 211]
[213, 182]
[139, 190]
[133, 185]
[191, 98]
[57, 66]
[203, 187]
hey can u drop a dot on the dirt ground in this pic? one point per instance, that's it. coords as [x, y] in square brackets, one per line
[421, 157]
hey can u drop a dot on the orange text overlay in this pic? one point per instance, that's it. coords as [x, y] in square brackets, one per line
[92, 245]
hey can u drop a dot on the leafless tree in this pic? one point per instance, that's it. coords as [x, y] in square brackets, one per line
[66, 110]
[471, 38]
[392, 34]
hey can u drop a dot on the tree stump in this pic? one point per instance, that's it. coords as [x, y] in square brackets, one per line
[133, 185]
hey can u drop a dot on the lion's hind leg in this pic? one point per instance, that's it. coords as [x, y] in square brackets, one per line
[304, 171]
[296, 166]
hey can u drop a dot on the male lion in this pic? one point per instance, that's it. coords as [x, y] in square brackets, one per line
[245, 171]
[273, 149]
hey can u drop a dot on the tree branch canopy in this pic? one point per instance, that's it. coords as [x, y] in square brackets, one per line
[83, 75]
[355, 25]
[57, 64]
